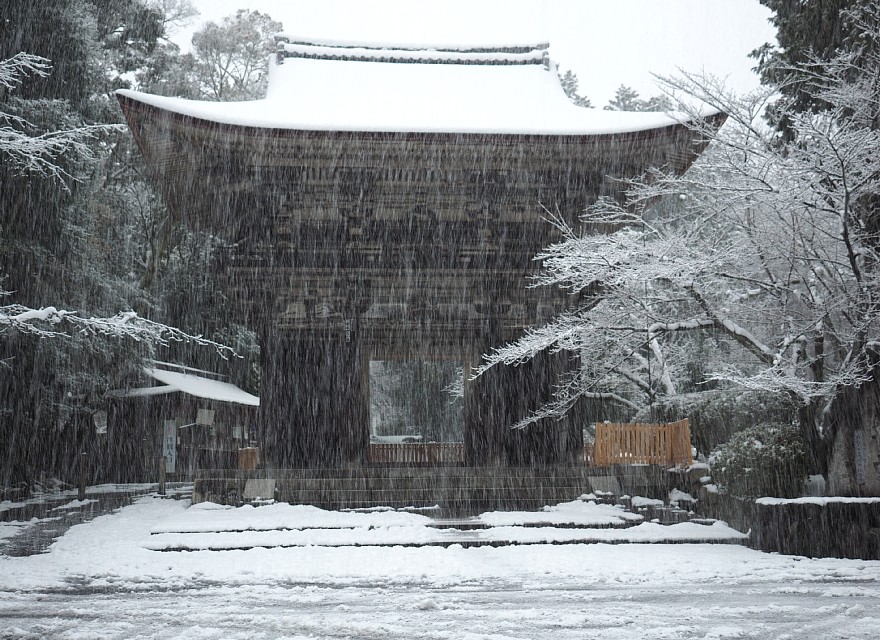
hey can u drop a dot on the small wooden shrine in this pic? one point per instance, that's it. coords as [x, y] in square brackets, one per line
[204, 422]
[387, 203]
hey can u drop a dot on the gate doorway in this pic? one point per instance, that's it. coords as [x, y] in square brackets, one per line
[416, 401]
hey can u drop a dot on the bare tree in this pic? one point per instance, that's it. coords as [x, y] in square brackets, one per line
[771, 248]
[232, 57]
[175, 13]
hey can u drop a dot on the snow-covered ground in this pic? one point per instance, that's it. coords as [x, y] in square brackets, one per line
[15, 527]
[58, 493]
[100, 580]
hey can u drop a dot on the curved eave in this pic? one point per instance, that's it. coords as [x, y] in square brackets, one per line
[131, 106]
[177, 147]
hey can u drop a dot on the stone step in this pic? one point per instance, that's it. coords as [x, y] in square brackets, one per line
[454, 500]
[401, 472]
[458, 489]
[463, 506]
[460, 542]
[425, 483]
[444, 537]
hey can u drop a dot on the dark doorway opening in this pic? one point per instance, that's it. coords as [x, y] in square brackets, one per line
[416, 401]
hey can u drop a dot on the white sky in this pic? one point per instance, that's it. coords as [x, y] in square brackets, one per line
[606, 42]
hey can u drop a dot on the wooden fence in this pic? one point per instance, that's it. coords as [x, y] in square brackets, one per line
[663, 444]
[417, 453]
[638, 443]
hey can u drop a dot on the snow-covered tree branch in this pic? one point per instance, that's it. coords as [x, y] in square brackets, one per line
[13, 70]
[26, 149]
[52, 322]
[766, 249]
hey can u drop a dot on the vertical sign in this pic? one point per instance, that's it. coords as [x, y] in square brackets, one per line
[860, 455]
[100, 419]
[169, 445]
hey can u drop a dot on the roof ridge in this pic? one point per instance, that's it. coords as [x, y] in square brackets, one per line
[512, 47]
[426, 54]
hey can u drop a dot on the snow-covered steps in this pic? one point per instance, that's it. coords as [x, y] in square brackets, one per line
[457, 490]
[207, 517]
[213, 527]
[413, 536]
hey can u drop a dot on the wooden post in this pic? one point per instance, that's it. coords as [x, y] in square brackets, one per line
[161, 475]
[83, 464]
[145, 469]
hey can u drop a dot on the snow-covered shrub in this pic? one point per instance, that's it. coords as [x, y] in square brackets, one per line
[718, 414]
[767, 459]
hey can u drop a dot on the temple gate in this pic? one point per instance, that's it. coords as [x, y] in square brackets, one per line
[387, 203]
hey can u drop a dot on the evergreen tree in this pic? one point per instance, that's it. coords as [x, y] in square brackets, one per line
[50, 249]
[569, 83]
[627, 99]
[658, 103]
[61, 146]
[808, 33]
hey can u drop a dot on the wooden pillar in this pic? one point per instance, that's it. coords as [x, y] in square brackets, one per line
[314, 411]
[486, 427]
[483, 438]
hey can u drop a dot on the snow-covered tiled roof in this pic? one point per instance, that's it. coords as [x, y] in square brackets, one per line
[193, 385]
[344, 86]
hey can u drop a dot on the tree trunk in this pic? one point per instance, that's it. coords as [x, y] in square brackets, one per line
[848, 453]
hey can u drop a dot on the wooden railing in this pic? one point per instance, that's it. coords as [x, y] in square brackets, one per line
[417, 453]
[637, 443]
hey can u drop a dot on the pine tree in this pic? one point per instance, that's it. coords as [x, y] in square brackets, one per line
[569, 83]
[625, 99]
[808, 34]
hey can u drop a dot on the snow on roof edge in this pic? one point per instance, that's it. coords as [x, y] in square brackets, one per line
[203, 387]
[142, 392]
[182, 367]
[196, 109]
[189, 384]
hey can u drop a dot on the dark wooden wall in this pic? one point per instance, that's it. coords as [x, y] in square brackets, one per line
[350, 245]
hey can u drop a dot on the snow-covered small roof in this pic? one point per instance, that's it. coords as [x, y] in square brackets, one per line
[192, 385]
[344, 86]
